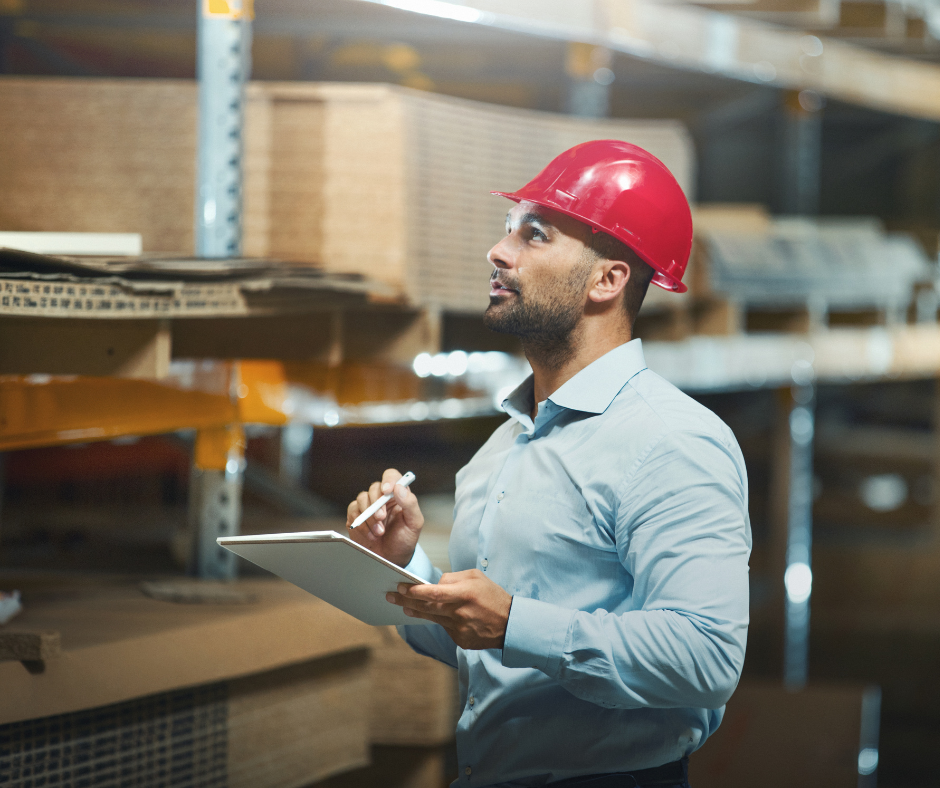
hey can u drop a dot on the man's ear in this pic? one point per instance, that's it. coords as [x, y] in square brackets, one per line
[610, 281]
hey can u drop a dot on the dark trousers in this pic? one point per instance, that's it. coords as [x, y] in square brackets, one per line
[672, 775]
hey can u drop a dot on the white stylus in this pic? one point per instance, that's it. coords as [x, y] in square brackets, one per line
[404, 481]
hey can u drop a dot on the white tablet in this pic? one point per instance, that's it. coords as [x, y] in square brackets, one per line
[332, 567]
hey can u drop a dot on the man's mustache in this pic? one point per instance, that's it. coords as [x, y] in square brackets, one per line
[504, 281]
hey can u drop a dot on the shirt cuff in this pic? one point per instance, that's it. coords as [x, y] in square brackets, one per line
[535, 635]
[421, 566]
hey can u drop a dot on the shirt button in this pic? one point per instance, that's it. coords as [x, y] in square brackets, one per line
[484, 563]
[500, 496]
[468, 771]
[472, 701]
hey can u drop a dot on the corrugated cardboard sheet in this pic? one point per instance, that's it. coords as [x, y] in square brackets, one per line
[48, 286]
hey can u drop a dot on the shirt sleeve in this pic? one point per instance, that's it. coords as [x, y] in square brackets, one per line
[429, 640]
[683, 534]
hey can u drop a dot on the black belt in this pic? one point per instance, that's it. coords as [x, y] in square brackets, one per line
[671, 774]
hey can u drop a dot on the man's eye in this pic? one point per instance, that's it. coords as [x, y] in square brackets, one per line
[536, 233]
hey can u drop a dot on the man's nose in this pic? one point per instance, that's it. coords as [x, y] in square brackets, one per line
[501, 254]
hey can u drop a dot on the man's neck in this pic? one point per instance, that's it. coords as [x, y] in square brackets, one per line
[586, 347]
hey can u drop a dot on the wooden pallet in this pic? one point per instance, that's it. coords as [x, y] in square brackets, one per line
[725, 317]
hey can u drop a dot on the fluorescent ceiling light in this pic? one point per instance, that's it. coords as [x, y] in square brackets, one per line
[460, 13]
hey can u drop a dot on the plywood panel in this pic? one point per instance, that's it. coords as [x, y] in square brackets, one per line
[118, 644]
[125, 348]
[294, 189]
[414, 698]
[365, 203]
[99, 156]
[301, 723]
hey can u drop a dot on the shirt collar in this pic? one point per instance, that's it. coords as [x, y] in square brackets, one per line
[591, 390]
[519, 404]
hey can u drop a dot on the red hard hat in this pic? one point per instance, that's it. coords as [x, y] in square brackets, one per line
[622, 190]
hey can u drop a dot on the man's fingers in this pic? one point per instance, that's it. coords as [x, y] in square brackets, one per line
[433, 611]
[410, 510]
[390, 477]
[402, 509]
[364, 502]
[447, 623]
[375, 526]
[405, 500]
[403, 600]
[425, 592]
[375, 492]
[448, 588]
[444, 620]
[426, 600]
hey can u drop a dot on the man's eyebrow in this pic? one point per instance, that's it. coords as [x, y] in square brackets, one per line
[531, 218]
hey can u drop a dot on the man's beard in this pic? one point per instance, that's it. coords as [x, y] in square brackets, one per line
[545, 322]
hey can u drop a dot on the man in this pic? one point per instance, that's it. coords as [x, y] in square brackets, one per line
[598, 607]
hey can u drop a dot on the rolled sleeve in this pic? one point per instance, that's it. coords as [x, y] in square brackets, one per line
[536, 635]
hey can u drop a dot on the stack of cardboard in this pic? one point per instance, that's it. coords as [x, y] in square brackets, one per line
[371, 179]
[270, 691]
[102, 155]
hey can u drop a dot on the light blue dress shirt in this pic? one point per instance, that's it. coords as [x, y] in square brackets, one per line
[618, 521]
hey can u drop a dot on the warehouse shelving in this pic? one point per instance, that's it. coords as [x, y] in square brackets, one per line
[730, 57]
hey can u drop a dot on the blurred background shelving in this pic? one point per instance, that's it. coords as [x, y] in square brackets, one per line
[264, 391]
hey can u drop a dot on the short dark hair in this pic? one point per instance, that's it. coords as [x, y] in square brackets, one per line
[641, 273]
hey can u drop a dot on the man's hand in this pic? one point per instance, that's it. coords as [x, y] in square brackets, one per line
[393, 530]
[470, 606]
